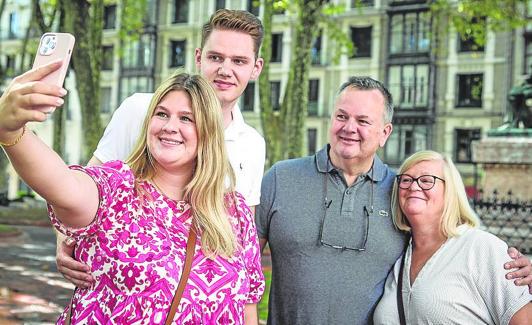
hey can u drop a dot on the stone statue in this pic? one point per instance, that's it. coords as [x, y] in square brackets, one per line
[521, 116]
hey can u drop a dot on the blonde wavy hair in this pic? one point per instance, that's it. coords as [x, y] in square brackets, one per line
[456, 211]
[206, 190]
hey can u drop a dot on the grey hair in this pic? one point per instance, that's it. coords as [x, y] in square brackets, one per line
[368, 83]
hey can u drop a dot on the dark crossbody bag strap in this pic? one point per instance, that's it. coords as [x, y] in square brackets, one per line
[189, 255]
[400, 305]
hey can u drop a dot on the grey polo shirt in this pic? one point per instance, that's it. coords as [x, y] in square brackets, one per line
[317, 284]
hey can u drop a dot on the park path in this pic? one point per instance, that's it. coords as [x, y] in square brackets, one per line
[31, 289]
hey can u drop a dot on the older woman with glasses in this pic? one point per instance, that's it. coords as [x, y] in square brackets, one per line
[451, 271]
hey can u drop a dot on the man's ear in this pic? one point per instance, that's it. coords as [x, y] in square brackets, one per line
[257, 69]
[197, 58]
[386, 132]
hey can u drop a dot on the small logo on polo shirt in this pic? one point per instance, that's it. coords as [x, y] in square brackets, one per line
[383, 213]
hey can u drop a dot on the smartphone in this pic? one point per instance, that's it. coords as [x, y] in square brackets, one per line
[54, 46]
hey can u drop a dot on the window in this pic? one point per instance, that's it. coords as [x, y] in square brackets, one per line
[463, 138]
[253, 7]
[404, 141]
[468, 44]
[313, 96]
[13, 26]
[180, 11]
[10, 70]
[139, 54]
[219, 4]
[315, 51]
[177, 53]
[135, 84]
[410, 33]
[409, 85]
[275, 94]
[527, 69]
[248, 98]
[108, 58]
[109, 17]
[312, 140]
[361, 3]
[469, 90]
[361, 38]
[150, 17]
[105, 100]
[277, 47]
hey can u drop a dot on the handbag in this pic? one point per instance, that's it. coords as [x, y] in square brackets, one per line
[189, 255]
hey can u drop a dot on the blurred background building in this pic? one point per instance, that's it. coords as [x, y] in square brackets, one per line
[446, 94]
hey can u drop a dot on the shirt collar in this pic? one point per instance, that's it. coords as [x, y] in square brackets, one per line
[233, 129]
[322, 156]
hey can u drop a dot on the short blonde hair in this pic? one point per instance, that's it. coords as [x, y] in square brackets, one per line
[206, 190]
[456, 211]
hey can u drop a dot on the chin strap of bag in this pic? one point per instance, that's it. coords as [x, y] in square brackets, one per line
[189, 256]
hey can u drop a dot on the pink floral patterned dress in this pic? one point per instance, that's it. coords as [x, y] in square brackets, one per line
[136, 250]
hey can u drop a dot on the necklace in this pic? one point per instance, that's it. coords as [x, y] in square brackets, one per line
[160, 190]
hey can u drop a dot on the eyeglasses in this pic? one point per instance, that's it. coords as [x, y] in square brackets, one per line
[341, 247]
[327, 204]
[425, 182]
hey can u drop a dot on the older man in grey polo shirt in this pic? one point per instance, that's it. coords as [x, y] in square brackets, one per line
[327, 217]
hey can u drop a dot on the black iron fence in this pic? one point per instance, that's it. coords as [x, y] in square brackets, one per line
[506, 217]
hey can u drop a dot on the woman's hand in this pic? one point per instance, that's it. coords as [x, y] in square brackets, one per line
[28, 99]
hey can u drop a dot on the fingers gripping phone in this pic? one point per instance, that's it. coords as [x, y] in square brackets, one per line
[52, 47]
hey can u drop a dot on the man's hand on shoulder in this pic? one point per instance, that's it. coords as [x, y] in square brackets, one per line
[520, 262]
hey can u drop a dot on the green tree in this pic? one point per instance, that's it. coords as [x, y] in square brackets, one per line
[284, 130]
[84, 19]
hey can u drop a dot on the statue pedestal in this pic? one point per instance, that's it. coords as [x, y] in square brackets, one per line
[507, 163]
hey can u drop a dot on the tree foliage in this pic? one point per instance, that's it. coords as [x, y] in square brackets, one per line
[474, 18]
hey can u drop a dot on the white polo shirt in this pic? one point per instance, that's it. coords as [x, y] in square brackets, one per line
[245, 146]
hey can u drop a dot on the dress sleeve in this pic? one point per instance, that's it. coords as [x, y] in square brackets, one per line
[122, 132]
[250, 251]
[114, 180]
[502, 297]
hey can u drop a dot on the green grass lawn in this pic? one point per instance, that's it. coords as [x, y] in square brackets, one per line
[7, 230]
[263, 305]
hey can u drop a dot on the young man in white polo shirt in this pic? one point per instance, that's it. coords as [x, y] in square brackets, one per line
[228, 58]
